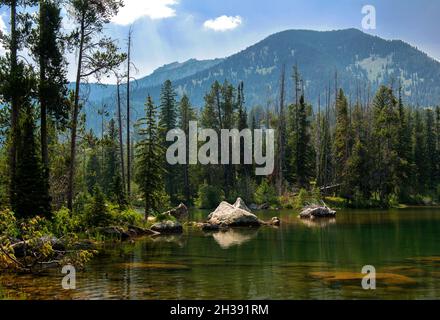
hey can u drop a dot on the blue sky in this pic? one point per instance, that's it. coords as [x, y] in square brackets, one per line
[177, 30]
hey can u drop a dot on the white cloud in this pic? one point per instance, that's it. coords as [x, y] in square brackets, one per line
[223, 23]
[154, 9]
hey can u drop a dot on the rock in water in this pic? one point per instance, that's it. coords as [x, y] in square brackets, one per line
[276, 222]
[180, 213]
[233, 216]
[240, 204]
[317, 212]
[168, 227]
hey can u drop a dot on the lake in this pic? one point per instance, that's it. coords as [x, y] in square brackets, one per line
[300, 260]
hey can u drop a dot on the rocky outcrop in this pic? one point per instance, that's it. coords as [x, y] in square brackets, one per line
[130, 233]
[240, 204]
[227, 215]
[168, 227]
[313, 212]
[180, 213]
[275, 221]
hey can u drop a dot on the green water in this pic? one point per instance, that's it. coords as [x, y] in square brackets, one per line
[294, 261]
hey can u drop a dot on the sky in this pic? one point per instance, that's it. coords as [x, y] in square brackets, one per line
[177, 30]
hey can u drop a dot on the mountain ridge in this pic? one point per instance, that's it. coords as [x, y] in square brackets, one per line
[361, 61]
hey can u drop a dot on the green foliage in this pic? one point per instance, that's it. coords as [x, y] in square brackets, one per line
[28, 196]
[161, 217]
[209, 197]
[97, 212]
[65, 223]
[150, 164]
[244, 188]
[302, 199]
[126, 217]
[266, 194]
[111, 177]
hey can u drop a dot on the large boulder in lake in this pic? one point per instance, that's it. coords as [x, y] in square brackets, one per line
[228, 215]
[313, 212]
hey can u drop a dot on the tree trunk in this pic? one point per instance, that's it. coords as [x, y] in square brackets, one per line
[15, 108]
[43, 114]
[281, 132]
[121, 144]
[128, 121]
[75, 113]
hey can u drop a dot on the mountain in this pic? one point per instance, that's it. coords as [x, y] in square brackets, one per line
[361, 61]
[99, 94]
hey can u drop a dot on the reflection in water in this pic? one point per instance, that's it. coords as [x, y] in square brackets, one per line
[177, 239]
[295, 261]
[318, 223]
[234, 237]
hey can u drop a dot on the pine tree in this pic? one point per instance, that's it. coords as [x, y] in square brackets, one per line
[404, 150]
[341, 138]
[242, 123]
[168, 122]
[431, 150]
[150, 167]
[357, 179]
[420, 152]
[48, 50]
[17, 83]
[111, 176]
[210, 118]
[97, 56]
[29, 196]
[437, 161]
[300, 148]
[385, 141]
[93, 171]
[186, 114]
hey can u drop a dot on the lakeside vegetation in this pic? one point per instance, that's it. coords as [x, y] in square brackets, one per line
[58, 179]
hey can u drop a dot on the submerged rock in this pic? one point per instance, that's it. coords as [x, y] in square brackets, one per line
[347, 277]
[317, 212]
[167, 227]
[227, 215]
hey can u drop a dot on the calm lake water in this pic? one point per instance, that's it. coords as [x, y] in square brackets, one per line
[299, 260]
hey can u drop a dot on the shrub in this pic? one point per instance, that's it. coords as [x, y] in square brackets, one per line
[209, 197]
[65, 223]
[302, 199]
[97, 212]
[164, 217]
[126, 217]
[8, 229]
[266, 194]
